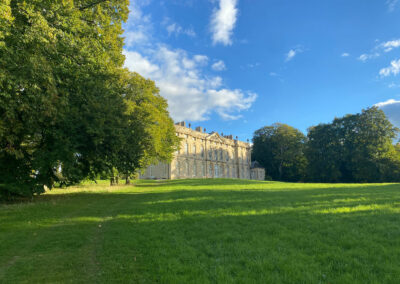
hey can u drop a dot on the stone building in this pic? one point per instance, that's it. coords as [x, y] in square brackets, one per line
[205, 155]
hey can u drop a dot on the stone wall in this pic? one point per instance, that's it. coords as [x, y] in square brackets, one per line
[204, 155]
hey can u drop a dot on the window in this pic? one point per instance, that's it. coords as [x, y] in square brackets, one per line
[215, 154]
[203, 169]
[178, 168]
[221, 155]
[210, 173]
[194, 169]
[210, 154]
[202, 151]
[187, 169]
[216, 171]
[227, 171]
[194, 149]
[186, 148]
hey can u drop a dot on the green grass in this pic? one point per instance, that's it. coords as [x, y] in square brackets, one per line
[204, 231]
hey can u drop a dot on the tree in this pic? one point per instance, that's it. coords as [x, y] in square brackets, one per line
[279, 149]
[354, 148]
[60, 102]
[149, 136]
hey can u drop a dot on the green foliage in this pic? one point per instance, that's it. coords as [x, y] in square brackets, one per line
[63, 114]
[149, 135]
[355, 148]
[204, 231]
[279, 149]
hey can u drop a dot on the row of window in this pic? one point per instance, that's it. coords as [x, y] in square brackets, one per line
[216, 154]
[184, 169]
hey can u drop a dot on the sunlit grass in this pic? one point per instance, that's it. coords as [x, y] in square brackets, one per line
[204, 231]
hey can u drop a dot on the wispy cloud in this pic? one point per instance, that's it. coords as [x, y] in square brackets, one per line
[364, 57]
[345, 54]
[393, 69]
[175, 29]
[391, 4]
[223, 22]
[382, 47]
[390, 45]
[219, 66]
[292, 53]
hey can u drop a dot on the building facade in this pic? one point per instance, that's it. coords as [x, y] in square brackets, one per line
[205, 155]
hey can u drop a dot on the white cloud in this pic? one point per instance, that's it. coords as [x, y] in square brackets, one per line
[345, 54]
[379, 48]
[393, 69]
[292, 53]
[202, 59]
[392, 110]
[175, 29]
[190, 93]
[391, 4]
[183, 79]
[138, 27]
[390, 45]
[364, 57]
[223, 22]
[219, 66]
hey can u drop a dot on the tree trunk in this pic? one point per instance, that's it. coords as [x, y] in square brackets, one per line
[116, 180]
[127, 180]
[112, 181]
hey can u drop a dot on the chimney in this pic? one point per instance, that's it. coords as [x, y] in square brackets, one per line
[183, 123]
[190, 125]
[199, 129]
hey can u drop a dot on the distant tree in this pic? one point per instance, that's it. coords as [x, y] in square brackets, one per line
[279, 149]
[355, 148]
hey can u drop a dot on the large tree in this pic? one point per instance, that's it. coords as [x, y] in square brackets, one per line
[64, 107]
[354, 148]
[279, 149]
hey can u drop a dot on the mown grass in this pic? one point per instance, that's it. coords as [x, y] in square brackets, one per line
[204, 231]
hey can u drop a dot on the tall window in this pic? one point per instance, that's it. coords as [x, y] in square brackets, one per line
[194, 169]
[202, 151]
[210, 173]
[215, 154]
[187, 169]
[210, 154]
[186, 148]
[216, 171]
[194, 149]
[220, 154]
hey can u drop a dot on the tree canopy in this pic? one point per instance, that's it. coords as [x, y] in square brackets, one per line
[354, 148]
[68, 108]
[279, 149]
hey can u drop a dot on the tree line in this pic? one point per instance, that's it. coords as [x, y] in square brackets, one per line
[354, 148]
[69, 110]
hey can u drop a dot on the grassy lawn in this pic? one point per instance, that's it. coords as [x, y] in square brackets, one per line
[204, 231]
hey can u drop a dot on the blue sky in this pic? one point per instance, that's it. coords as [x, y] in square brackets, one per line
[234, 66]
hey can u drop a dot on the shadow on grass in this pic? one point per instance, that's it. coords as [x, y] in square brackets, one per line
[205, 235]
